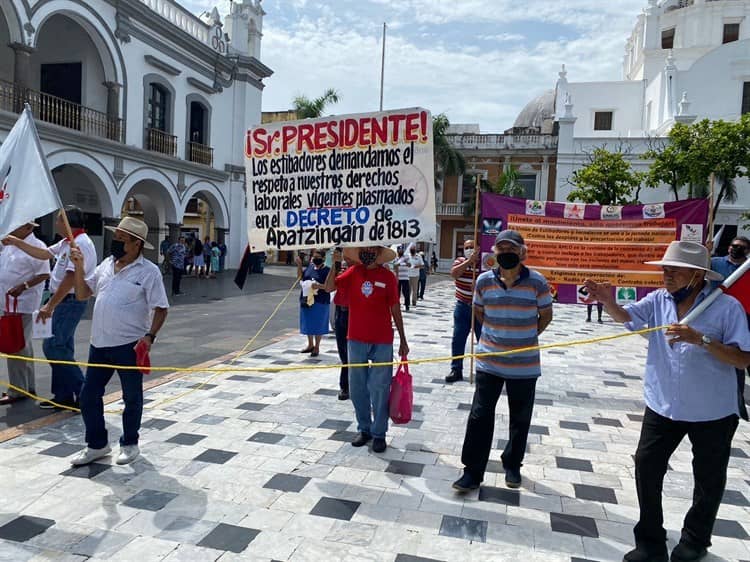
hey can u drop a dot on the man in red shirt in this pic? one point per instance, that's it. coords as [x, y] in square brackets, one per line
[372, 291]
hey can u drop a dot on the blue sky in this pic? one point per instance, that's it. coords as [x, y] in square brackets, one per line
[478, 61]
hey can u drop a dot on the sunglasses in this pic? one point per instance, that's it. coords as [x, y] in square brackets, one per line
[740, 246]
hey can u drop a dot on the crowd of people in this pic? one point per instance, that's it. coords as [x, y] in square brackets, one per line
[189, 257]
[693, 382]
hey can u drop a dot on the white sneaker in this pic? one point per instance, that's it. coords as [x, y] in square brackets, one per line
[89, 455]
[128, 453]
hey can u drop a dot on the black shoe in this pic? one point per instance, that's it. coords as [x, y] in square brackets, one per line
[685, 553]
[642, 554]
[588, 319]
[455, 376]
[466, 483]
[600, 321]
[378, 445]
[513, 477]
[343, 395]
[361, 439]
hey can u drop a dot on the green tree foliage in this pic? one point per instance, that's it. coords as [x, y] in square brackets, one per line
[608, 179]
[696, 151]
[448, 160]
[507, 184]
[310, 109]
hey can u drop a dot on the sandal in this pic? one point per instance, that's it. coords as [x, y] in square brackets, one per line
[307, 350]
[315, 353]
[6, 400]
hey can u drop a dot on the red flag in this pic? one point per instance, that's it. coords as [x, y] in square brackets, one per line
[740, 290]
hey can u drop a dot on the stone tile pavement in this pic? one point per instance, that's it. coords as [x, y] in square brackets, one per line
[257, 466]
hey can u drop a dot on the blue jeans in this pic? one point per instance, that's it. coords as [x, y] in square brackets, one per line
[92, 405]
[66, 379]
[370, 387]
[461, 331]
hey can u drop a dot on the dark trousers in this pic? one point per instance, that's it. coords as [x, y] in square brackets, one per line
[461, 331]
[92, 406]
[660, 437]
[176, 279]
[66, 379]
[341, 327]
[599, 308]
[405, 291]
[422, 284]
[481, 424]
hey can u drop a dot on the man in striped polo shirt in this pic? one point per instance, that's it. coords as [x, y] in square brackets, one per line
[463, 272]
[515, 306]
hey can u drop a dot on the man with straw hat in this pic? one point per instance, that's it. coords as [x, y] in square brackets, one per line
[130, 309]
[372, 291]
[690, 389]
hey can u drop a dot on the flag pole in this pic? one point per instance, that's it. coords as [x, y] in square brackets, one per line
[710, 233]
[474, 275]
[728, 282]
[382, 70]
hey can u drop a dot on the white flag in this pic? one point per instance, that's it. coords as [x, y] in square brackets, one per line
[27, 190]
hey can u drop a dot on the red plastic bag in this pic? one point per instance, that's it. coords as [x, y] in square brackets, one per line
[11, 329]
[142, 358]
[402, 395]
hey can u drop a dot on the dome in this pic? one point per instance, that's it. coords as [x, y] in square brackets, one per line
[538, 114]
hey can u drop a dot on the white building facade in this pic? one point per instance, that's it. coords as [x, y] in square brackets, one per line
[685, 60]
[140, 105]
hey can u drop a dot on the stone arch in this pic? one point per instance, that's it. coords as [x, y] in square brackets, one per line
[13, 20]
[92, 169]
[214, 197]
[93, 24]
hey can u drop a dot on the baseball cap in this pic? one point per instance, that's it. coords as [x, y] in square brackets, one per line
[510, 236]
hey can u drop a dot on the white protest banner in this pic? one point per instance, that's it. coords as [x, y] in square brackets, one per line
[27, 190]
[351, 180]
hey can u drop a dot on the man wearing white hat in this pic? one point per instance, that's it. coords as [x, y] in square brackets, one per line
[22, 277]
[690, 389]
[373, 299]
[130, 309]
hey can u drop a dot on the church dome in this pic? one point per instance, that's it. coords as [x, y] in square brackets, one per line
[539, 113]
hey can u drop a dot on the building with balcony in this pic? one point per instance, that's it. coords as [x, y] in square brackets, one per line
[529, 148]
[685, 60]
[141, 108]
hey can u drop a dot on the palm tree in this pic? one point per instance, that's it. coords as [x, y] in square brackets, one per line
[448, 160]
[306, 108]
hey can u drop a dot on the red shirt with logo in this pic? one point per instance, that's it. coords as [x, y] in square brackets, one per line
[371, 294]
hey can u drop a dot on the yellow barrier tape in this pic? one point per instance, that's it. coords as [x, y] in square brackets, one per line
[234, 369]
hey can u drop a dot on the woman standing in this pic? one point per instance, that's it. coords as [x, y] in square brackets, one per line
[314, 318]
[215, 257]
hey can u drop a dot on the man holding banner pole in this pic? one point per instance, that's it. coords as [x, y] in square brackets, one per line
[690, 388]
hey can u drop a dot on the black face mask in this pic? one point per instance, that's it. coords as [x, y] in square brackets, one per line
[117, 249]
[318, 261]
[736, 253]
[508, 260]
[367, 257]
[681, 294]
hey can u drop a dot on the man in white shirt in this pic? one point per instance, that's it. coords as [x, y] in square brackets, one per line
[415, 264]
[401, 266]
[22, 277]
[130, 309]
[63, 308]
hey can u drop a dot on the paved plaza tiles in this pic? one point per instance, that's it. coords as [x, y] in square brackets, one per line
[258, 466]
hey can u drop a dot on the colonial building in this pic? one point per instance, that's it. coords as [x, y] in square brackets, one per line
[529, 148]
[141, 107]
[685, 60]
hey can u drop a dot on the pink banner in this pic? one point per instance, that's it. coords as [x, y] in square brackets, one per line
[571, 242]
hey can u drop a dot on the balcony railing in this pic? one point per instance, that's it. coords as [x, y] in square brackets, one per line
[200, 153]
[59, 111]
[159, 141]
[451, 209]
[507, 142]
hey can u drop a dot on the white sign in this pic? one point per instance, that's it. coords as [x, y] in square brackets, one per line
[352, 180]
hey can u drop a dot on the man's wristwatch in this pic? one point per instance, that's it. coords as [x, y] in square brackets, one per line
[152, 336]
[705, 340]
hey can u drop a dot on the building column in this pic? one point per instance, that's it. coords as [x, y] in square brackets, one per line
[544, 183]
[21, 74]
[113, 111]
[174, 231]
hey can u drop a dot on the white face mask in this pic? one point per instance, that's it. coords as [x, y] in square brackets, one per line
[468, 253]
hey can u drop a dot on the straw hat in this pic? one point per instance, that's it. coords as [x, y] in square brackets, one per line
[134, 227]
[385, 255]
[688, 254]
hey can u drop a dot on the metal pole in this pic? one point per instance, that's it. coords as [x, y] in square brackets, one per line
[477, 248]
[382, 70]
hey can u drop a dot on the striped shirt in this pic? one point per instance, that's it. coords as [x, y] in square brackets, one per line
[465, 283]
[511, 322]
